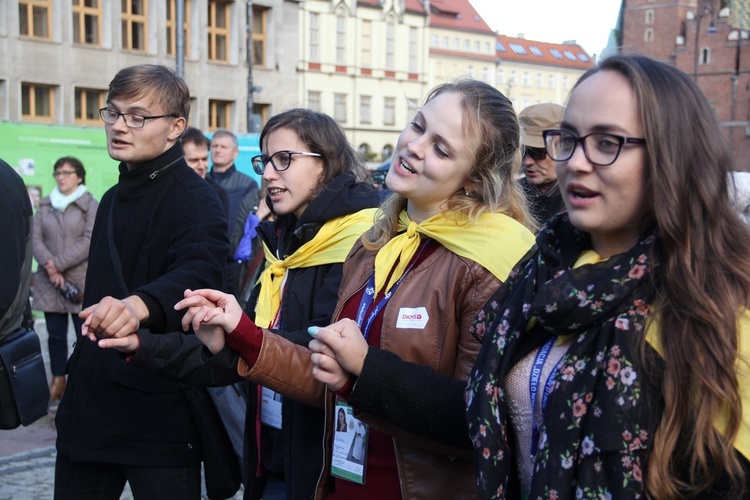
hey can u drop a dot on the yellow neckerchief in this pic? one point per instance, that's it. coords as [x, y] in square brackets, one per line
[494, 241]
[653, 327]
[330, 245]
[742, 367]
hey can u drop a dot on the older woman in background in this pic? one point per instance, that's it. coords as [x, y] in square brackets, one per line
[62, 233]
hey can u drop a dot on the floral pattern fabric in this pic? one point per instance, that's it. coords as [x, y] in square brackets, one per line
[601, 413]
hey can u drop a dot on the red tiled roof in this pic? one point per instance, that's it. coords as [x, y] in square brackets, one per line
[464, 55]
[409, 5]
[532, 51]
[457, 14]
[413, 6]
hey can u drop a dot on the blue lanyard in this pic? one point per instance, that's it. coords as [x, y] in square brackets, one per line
[534, 383]
[369, 296]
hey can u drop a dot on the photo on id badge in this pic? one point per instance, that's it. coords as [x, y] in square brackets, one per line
[349, 445]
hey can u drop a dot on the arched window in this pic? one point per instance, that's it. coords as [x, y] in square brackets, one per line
[705, 56]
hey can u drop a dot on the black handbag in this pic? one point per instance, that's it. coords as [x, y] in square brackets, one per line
[221, 465]
[24, 394]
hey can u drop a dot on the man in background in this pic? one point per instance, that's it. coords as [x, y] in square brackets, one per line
[540, 181]
[195, 145]
[243, 197]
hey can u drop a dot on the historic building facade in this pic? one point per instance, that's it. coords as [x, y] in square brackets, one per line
[707, 40]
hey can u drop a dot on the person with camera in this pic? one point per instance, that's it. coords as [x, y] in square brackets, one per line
[62, 234]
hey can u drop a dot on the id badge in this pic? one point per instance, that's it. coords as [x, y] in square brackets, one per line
[270, 407]
[349, 445]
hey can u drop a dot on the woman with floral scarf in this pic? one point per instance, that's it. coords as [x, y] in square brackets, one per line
[615, 357]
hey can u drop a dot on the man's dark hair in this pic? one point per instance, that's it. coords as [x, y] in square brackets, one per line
[169, 90]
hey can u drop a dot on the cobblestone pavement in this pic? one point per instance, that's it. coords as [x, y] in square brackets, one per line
[27, 454]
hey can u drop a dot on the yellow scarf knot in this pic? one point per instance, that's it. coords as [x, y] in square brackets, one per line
[494, 241]
[411, 231]
[278, 269]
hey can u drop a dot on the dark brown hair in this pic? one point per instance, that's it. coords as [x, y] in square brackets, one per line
[703, 284]
[73, 162]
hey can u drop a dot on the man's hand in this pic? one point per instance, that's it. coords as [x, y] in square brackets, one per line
[113, 317]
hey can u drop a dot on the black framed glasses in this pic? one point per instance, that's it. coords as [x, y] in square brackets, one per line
[110, 116]
[600, 149]
[280, 160]
[536, 154]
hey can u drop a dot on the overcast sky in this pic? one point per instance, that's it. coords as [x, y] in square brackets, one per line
[588, 22]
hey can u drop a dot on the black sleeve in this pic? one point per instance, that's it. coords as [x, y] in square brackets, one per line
[182, 358]
[412, 397]
[15, 221]
[722, 488]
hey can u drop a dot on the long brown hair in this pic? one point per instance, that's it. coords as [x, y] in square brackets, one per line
[489, 119]
[703, 284]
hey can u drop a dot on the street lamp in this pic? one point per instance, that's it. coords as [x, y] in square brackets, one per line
[705, 9]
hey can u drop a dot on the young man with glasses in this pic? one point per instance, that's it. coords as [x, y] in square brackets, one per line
[158, 231]
[540, 180]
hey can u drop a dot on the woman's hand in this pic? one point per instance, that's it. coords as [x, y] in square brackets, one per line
[57, 279]
[325, 367]
[338, 348]
[212, 314]
[51, 268]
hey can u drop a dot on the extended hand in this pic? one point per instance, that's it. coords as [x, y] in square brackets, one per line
[211, 313]
[128, 344]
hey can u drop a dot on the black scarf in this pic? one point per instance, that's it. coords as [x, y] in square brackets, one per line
[601, 412]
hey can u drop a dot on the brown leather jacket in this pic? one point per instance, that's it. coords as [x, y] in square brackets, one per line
[452, 289]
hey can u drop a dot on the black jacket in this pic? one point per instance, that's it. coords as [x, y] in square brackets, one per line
[545, 204]
[15, 250]
[171, 234]
[309, 298]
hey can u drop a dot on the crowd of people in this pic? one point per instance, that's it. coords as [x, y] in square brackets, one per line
[547, 305]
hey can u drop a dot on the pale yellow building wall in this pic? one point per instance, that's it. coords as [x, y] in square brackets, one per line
[350, 79]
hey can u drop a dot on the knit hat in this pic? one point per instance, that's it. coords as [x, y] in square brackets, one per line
[534, 119]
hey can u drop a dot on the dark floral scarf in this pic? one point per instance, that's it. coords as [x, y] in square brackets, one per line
[601, 412]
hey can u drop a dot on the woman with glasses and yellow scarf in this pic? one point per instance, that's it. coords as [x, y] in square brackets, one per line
[441, 245]
[321, 202]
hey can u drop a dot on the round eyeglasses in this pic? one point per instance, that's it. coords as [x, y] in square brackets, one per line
[110, 117]
[280, 160]
[599, 148]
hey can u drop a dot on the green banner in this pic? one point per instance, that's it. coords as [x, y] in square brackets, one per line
[33, 148]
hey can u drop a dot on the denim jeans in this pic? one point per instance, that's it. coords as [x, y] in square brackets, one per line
[88, 480]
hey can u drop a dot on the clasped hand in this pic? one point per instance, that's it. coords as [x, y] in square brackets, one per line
[339, 351]
[212, 314]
